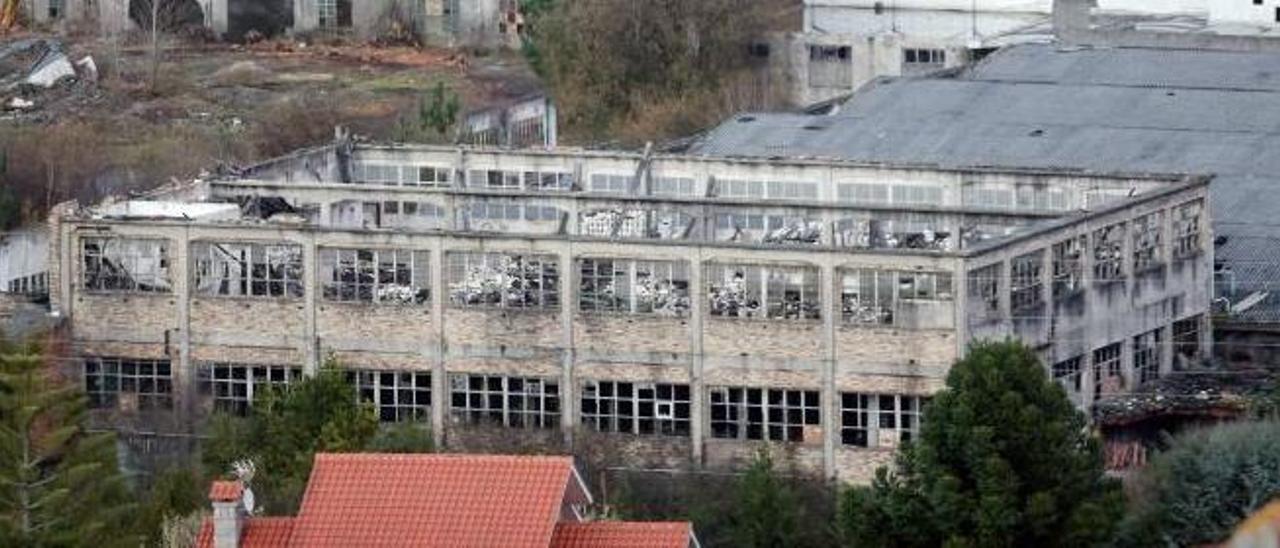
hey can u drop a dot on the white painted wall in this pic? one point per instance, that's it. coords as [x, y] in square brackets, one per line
[22, 253]
[1244, 11]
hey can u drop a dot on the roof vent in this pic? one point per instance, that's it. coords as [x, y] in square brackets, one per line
[746, 119]
[1036, 132]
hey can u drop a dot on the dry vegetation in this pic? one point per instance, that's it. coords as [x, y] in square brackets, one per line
[216, 104]
[638, 70]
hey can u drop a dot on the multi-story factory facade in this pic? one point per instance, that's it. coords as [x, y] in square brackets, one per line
[686, 309]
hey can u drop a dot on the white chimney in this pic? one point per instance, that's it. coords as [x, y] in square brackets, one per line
[228, 513]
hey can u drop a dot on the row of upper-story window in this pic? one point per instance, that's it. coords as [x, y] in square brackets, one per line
[988, 194]
[1104, 248]
[510, 280]
[641, 408]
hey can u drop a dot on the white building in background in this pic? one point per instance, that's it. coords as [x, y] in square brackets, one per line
[23, 258]
[845, 43]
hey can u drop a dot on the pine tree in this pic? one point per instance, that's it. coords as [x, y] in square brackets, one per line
[1003, 459]
[284, 431]
[59, 485]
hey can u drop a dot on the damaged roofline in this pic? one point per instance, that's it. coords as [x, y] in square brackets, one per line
[742, 160]
[616, 199]
[107, 225]
[1039, 229]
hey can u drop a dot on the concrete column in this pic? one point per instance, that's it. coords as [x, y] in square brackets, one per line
[828, 296]
[1126, 364]
[186, 378]
[1165, 347]
[216, 16]
[1088, 381]
[440, 397]
[698, 416]
[311, 351]
[568, 392]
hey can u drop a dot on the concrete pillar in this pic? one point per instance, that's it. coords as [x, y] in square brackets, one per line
[828, 296]
[311, 345]
[568, 392]
[440, 396]
[185, 376]
[698, 416]
[216, 15]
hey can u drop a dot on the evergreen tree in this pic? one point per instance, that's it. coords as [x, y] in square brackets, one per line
[1003, 459]
[285, 429]
[767, 511]
[1206, 482]
[59, 485]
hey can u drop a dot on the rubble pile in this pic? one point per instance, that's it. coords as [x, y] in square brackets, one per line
[1201, 393]
[37, 72]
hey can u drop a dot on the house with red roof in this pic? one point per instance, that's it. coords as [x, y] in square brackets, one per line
[365, 499]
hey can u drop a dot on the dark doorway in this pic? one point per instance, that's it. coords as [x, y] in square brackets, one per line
[267, 17]
[171, 15]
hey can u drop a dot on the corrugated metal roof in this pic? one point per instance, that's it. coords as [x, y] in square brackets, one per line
[1095, 110]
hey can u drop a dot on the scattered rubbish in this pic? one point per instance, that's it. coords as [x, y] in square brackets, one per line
[88, 69]
[18, 103]
[53, 67]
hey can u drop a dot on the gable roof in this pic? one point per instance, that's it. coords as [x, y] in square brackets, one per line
[258, 533]
[434, 500]
[623, 534]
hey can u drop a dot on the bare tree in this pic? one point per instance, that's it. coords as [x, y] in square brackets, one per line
[159, 20]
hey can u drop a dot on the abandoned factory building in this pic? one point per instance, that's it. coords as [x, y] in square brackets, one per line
[682, 309]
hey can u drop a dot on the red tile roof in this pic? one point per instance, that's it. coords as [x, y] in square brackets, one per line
[258, 533]
[622, 534]
[433, 500]
[226, 491]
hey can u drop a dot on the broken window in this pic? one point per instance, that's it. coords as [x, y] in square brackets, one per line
[147, 383]
[239, 269]
[868, 296]
[1108, 376]
[770, 229]
[1186, 229]
[613, 183]
[909, 231]
[853, 232]
[1108, 254]
[634, 287]
[1026, 281]
[504, 280]
[1067, 373]
[765, 414]
[398, 396]
[673, 186]
[984, 288]
[386, 276]
[547, 180]
[897, 416]
[414, 215]
[125, 264]
[383, 174]
[855, 419]
[1068, 267]
[56, 8]
[636, 408]
[434, 176]
[518, 402]
[635, 224]
[1147, 242]
[1186, 338]
[830, 66]
[334, 13]
[234, 387]
[756, 291]
[1146, 355]
[924, 57]
[493, 178]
